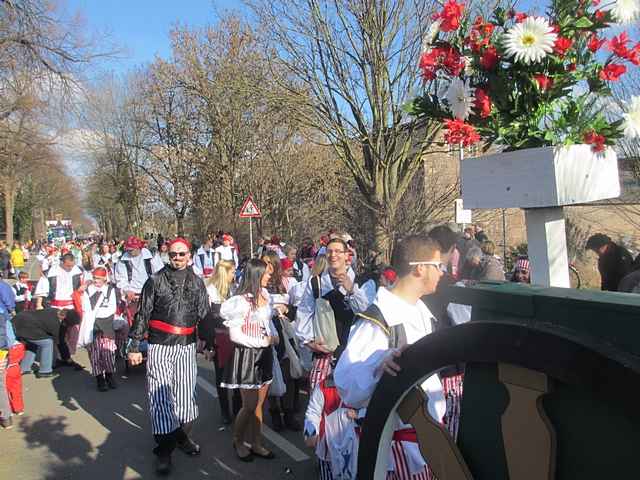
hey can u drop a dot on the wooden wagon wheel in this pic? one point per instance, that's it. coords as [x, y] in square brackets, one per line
[527, 361]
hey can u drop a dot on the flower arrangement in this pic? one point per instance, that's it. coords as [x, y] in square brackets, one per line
[526, 81]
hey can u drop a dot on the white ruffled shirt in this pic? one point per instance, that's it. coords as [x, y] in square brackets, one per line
[235, 311]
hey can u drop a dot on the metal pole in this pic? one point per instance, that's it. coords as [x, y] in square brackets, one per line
[504, 236]
[251, 236]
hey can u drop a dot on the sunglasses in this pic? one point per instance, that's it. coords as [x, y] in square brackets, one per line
[438, 265]
[177, 254]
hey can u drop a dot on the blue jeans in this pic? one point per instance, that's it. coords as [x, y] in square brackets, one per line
[45, 356]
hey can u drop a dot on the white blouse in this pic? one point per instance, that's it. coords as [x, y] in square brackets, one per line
[248, 326]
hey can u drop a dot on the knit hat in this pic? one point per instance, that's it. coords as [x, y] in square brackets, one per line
[523, 265]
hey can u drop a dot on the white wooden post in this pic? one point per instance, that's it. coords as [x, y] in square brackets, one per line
[547, 241]
[251, 237]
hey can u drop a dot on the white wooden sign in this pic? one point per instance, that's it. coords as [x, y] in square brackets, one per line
[462, 216]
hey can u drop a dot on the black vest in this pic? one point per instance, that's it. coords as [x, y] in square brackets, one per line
[76, 280]
[129, 267]
[397, 335]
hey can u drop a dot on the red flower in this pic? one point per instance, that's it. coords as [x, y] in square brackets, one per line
[544, 82]
[483, 103]
[445, 57]
[634, 55]
[596, 140]
[618, 45]
[562, 45]
[571, 67]
[480, 35]
[450, 16]
[459, 132]
[600, 15]
[520, 17]
[595, 43]
[489, 58]
[612, 72]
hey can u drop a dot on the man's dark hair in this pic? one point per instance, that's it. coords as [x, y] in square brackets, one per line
[251, 279]
[67, 256]
[414, 248]
[340, 241]
[445, 237]
[595, 242]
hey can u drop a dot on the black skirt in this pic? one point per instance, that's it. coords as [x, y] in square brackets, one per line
[248, 368]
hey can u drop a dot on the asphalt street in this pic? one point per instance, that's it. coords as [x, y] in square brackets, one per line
[72, 431]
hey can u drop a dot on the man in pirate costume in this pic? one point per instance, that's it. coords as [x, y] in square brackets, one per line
[173, 302]
[396, 319]
[336, 285]
[57, 290]
[205, 259]
[133, 269]
[96, 329]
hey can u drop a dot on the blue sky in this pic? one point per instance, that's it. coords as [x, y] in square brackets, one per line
[141, 27]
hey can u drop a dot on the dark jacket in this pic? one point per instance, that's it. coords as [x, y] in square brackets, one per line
[37, 325]
[630, 283]
[178, 298]
[613, 266]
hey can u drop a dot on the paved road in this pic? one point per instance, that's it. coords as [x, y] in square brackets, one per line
[72, 431]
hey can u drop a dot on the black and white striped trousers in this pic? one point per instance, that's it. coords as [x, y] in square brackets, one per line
[171, 386]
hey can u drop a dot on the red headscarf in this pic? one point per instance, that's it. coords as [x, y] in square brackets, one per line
[180, 240]
[285, 263]
[100, 272]
[133, 243]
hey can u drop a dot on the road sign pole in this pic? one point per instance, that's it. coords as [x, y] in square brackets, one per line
[251, 236]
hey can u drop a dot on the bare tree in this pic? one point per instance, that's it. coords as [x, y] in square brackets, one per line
[357, 64]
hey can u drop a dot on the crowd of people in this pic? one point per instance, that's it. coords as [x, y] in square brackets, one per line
[291, 321]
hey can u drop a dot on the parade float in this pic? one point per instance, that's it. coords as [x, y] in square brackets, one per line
[552, 376]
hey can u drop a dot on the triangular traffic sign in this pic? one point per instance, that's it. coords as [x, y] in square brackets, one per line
[250, 209]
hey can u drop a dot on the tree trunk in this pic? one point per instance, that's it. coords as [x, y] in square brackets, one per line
[9, 207]
[180, 224]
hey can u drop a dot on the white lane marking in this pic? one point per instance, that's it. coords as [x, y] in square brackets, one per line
[207, 387]
[282, 443]
[137, 407]
[127, 420]
[226, 467]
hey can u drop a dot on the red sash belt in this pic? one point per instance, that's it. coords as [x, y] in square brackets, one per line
[207, 271]
[61, 303]
[405, 435]
[168, 328]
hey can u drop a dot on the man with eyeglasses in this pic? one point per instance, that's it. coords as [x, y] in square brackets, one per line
[396, 319]
[336, 285]
[172, 303]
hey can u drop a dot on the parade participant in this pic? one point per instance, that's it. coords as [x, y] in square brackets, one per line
[248, 316]
[163, 253]
[17, 258]
[102, 258]
[40, 328]
[133, 269]
[308, 251]
[22, 292]
[331, 428]
[397, 319]
[521, 271]
[172, 303]
[275, 246]
[205, 259]
[96, 330]
[214, 333]
[337, 286]
[226, 251]
[280, 405]
[5, 344]
[56, 289]
[301, 271]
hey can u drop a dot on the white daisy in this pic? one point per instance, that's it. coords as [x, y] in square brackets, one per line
[460, 98]
[530, 40]
[632, 119]
[625, 11]
[431, 35]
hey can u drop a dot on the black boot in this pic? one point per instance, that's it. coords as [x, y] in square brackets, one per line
[111, 380]
[291, 422]
[163, 465]
[185, 443]
[102, 384]
[276, 421]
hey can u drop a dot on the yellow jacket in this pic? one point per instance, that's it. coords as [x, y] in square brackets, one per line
[17, 258]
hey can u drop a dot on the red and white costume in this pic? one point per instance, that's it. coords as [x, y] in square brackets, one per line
[359, 370]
